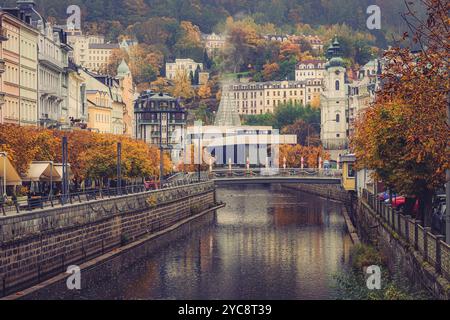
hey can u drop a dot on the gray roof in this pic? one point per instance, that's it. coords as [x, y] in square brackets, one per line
[103, 46]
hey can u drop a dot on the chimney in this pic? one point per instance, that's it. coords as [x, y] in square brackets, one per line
[26, 5]
[26, 8]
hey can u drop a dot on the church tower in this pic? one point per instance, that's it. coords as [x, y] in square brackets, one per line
[334, 101]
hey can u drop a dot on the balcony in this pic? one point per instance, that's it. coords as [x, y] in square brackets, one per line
[2, 66]
[51, 62]
[3, 34]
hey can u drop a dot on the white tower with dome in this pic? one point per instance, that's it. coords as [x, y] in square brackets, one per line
[334, 101]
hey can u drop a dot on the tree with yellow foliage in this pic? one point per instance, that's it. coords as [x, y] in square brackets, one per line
[182, 86]
[204, 92]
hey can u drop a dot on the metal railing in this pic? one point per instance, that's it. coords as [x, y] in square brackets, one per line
[275, 173]
[40, 202]
[432, 247]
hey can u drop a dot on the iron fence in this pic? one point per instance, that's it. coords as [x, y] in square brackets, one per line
[40, 202]
[432, 247]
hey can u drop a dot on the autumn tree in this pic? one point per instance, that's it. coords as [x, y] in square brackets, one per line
[182, 86]
[270, 71]
[204, 92]
[404, 136]
[307, 133]
[294, 154]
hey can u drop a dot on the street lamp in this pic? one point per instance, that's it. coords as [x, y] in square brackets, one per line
[119, 168]
[199, 167]
[4, 155]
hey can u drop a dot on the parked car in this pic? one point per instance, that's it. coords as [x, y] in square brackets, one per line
[384, 196]
[438, 216]
[151, 185]
[399, 202]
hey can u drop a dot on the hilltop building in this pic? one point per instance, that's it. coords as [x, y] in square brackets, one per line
[214, 43]
[90, 51]
[188, 66]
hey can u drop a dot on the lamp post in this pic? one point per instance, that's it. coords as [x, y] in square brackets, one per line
[119, 167]
[199, 166]
[4, 155]
[51, 180]
[65, 182]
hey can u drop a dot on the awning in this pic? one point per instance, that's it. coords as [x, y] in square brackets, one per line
[12, 177]
[42, 171]
[59, 169]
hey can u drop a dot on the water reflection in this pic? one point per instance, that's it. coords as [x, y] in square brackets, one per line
[266, 244]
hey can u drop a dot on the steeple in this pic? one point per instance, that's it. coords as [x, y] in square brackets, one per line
[123, 69]
[334, 55]
[334, 50]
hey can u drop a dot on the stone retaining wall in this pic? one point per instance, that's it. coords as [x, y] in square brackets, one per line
[40, 244]
[331, 191]
[399, 252]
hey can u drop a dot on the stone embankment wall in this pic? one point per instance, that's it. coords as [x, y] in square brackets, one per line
[40, 244]
[331, 191]
[403, 244]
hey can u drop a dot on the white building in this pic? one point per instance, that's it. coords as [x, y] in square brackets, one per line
[77, 100]
[90, 51]
[187, 66]
[265, 97]
[361, 92]
[214, 43]
[53, 54]
[312, 72]
[334, 102]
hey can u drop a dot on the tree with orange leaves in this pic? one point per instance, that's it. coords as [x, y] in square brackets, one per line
[294, 153]
[270, 71]
[404, 136]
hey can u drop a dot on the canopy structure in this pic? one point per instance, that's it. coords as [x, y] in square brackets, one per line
[42, 171]
[227, 114]
[12, 177]
[59, 169]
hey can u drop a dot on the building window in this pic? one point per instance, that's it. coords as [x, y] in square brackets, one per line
[351, 171]
[338, 117]
[337, 84]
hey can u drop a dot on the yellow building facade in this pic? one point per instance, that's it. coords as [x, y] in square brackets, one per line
[19, 80]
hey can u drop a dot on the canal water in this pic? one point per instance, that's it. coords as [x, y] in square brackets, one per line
[267, 243]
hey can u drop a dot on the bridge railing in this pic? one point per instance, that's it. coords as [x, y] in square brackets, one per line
[272, 172]
[431, 247]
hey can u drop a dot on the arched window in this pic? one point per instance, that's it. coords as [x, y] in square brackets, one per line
[337, 84]
[338, 117]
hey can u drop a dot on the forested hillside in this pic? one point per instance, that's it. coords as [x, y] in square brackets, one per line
[114, 16]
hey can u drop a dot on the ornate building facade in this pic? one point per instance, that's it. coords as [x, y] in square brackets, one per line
[334, 102]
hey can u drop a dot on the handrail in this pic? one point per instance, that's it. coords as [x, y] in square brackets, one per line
[432, 248]
[40, 202]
